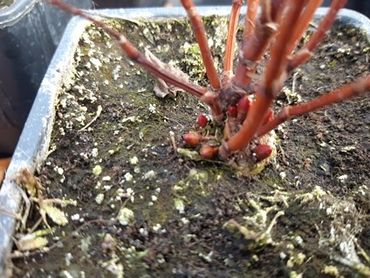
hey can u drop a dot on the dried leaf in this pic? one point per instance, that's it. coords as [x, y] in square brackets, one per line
[31, 242]
[28, 181]
[54, 213]
[161, 88]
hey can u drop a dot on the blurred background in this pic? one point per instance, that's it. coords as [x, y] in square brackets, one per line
[30, 31]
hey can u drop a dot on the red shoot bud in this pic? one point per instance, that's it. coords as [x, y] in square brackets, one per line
[268, 117]
[243, 107]
[232, 111]
[208, 152]
[243, 104]
[192, 139]
[202, 120]
[262, 152]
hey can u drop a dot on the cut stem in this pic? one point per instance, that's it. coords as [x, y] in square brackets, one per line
[231, 36]
[306, 52]
[303, 23]
[250, 18]
[348, 91]
[200, 35]
[254, 44]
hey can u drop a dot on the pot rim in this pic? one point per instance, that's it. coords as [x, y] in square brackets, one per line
[12, 14]
[32, 147]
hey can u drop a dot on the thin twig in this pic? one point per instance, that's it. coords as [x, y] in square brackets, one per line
[98, 113]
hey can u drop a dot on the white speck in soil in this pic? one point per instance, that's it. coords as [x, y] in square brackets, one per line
[99, 198]
[134, 160]
[128, 177]
[150, 175]
[97, 170]
[125, 216]
[75, 217]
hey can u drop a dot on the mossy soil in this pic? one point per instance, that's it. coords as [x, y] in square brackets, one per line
[173, 224]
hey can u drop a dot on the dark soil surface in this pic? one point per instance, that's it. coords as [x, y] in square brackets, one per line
[144, 211]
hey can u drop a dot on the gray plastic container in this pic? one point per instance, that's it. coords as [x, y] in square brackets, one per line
[34, 142]
[30, 31]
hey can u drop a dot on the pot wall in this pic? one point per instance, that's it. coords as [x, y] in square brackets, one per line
[29, 33]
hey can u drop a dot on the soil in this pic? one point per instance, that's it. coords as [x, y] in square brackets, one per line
[306, 214]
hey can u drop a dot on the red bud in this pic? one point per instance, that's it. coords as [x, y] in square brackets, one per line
[232, 111]
[262, 152]
[202, 120]
[208, 152]
[243, 107]
[243, 104]
[192, 139]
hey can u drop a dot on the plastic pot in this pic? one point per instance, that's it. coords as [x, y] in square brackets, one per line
[29, 33]
[34, 142]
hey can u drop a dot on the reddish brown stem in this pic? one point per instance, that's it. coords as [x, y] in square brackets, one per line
[135, 55]
[250, 18]
[348, 91]
[306, 52]
[4, 163]
[279, 50]
[254, 46]
[304, 21]
[231, 36]
[200, 35]
[268, 90]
